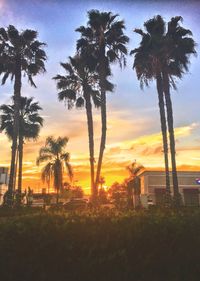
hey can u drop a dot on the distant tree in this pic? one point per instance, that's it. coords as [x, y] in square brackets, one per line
[56, 158]
[118, 194]
[20, 54]
[101, 181]
[30, 123]
[77, 192]
[102, 196]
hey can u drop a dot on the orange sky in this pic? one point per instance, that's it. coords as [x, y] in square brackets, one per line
[147, 149]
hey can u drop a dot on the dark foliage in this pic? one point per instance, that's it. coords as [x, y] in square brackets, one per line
[159, 246]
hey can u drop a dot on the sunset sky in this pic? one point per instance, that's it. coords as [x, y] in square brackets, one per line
[133, 114]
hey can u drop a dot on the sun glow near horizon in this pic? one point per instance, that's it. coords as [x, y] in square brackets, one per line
[146, 149]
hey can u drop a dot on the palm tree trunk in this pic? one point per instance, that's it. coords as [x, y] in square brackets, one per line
[57, 196]
[48, 186]
[16, 165]
[163, 129]
[102, 74]
[57, 177]
[17, 94]
[20, 167]
[171, 135]
[103, 136]
[91, 142]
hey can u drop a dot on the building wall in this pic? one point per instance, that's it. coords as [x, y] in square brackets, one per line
[3, 182]
[152, 180]
[3, 175]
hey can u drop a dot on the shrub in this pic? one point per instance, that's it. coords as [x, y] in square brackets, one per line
[101, 245]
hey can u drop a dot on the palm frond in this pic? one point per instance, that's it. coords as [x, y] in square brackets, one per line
[80, 102]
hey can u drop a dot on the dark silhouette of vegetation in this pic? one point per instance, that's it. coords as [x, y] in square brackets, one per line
[30, 123]
[104, 245]
[148, 67]
[102, 181]
[164, 54]
[56, 159]
[105, 39]
[20, 54]
[118, 194]
[79, 88]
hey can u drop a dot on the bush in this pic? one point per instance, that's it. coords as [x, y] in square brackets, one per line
[98, 245]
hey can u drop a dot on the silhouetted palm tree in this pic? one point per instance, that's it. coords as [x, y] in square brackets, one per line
[79, 87]
[148, 67]
[104, 38]
[53, 153]
[30, 123]
[166, 54]
[178, 45]
[20, 54]
[102, 181]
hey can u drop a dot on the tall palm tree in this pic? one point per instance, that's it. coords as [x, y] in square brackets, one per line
[56, 158]
[167, 51]
[148, 67]
[79, 87]
[20, 54]
[178, 45]
[30, 123]
[104, 37]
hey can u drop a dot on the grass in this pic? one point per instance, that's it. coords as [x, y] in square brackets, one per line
[101, 245]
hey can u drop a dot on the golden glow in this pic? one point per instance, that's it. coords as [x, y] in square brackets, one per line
[147, 149]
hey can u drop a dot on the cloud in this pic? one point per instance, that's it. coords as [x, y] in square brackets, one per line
[152, 140]
[157, 150]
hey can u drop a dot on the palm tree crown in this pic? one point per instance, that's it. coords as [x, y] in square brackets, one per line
[30, 123]
[104, 35]
[56, 158]
[30, 120]
[80, 81]
[162, 46]
[21, 47]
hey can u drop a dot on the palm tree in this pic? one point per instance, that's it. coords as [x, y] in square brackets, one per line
[79, 87]
[166, 52]
[104, 37]
[101, 181]
[56, 158]
[148, 67]
[30, 123]
[178, 46]
[20, 54]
